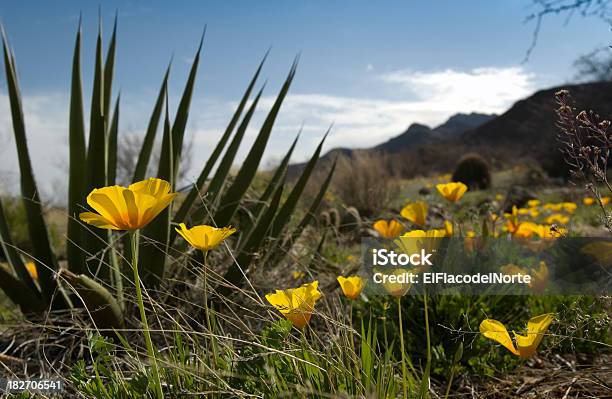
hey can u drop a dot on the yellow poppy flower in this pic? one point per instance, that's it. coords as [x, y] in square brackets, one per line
[494, 217]
[448, 228]
[390, 229]
[499, 197]
[128, 208]
[533, 203]
[31, 268]
[553, 207]
[557, 218]
[415, 212]
[297, 274]
[205, 237]
[512, 222]
[569, 207]
[296, 304]
[539, 277]
[416, 240]
[351, 286]
[393, 287]
[605, 200]
[452, 191]
[588, 201]
[526, 345]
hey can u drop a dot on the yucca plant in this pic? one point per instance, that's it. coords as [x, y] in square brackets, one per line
[93, 266]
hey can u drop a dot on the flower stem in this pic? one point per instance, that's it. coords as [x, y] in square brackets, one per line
[401, 329]
[143, 316]
[207, 310]
[427, 335]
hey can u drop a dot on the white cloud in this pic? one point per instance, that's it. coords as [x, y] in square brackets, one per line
[430, 98]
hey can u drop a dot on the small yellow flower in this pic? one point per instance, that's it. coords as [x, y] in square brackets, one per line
[605, 200]
[416, 240]
[31, 267]
[533, 203]
[204, 237]
[351, 286]
[394, 286]
[526, 345]
[131, 208]
[415, 212]
[494, 217]
[588, 201]
[296, 304]
[452, 191]
[448, 228]
[390, 229]
[512, 222]
[297, 274]
[569, 207]
[539, 277]
[499, 197]
[557, 218]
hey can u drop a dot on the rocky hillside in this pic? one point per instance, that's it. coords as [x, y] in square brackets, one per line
[526, 131]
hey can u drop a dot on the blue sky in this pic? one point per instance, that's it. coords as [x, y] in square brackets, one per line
[371, 68]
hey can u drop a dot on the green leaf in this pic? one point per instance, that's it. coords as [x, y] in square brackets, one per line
[76, 174]
[188, 202]
[281, 220]
[100, 303]
[97, 158]
[153, 255]
[234, 274]
[46, 262]
[149, 139]
[182, 113]
[231, 200]
[270, 188]
[12, 256]
[216, 184]
[109, 68]
[275, 256]
[19, 293]
[113, 132]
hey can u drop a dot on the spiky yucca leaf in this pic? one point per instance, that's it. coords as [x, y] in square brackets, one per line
[284, 214]
[149, 140]
[12, 256]
[231, 200]
[46, 262]
[189, 201]
[113, 132]
[76, 174]
[19, 293]
[100, 303]
[259, 207]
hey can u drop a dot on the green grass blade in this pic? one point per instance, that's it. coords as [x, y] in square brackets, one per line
[113, 132]
[46, 262]
[19, 293]
[149, 140]
[281, 220]
[187, 204]
[12, 256]
[76, 174]
[182, 113]
[231, 200]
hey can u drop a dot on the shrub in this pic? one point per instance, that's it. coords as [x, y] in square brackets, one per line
[365, 182]
[473, 170]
